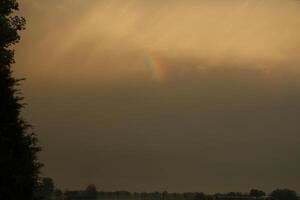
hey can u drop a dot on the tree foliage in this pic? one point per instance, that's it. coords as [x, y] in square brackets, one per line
[19, 166]
[284, 194]
[257, 193]
[91, 192]
[46, 189]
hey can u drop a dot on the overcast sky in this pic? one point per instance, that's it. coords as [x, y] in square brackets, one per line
[194, 95]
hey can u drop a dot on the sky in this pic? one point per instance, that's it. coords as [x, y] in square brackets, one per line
[195, 95]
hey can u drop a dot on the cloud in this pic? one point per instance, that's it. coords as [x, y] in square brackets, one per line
[107, 37]
[223, 118]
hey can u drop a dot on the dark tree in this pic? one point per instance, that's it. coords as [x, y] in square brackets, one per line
[46, 189]
[284, 194]
[91, 192]
[257, 193]
[58, 194]
[200, 196]
[19, 166]
[70, 195]
[165, 195]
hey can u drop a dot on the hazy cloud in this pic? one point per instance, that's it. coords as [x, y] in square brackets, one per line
[224, 117]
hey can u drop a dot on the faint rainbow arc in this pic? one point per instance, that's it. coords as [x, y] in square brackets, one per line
[156, 66]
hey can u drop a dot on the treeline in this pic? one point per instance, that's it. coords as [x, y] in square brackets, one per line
[47, 191]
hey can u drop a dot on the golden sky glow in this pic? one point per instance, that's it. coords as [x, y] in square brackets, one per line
[109, 39]
[185, 95]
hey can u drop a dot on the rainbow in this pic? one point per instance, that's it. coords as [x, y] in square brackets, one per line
[156, 66]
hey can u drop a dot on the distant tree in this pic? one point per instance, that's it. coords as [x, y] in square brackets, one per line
[118, 194]
[58, 194]
[200, 196]
[165, 195]
[284, 194]
[188, 195]
[209, 197]
[143, 195]
[46, 189]
[257, 193]
[19, 166]
[71, 195]
[235, 194]
[123, 194]
[91, 192]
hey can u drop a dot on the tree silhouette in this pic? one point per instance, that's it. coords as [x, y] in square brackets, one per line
[58, 194]
[91, 192]
[19, 166]
[284, 194]
[257, 193]
[46, 189]
[200, 196]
